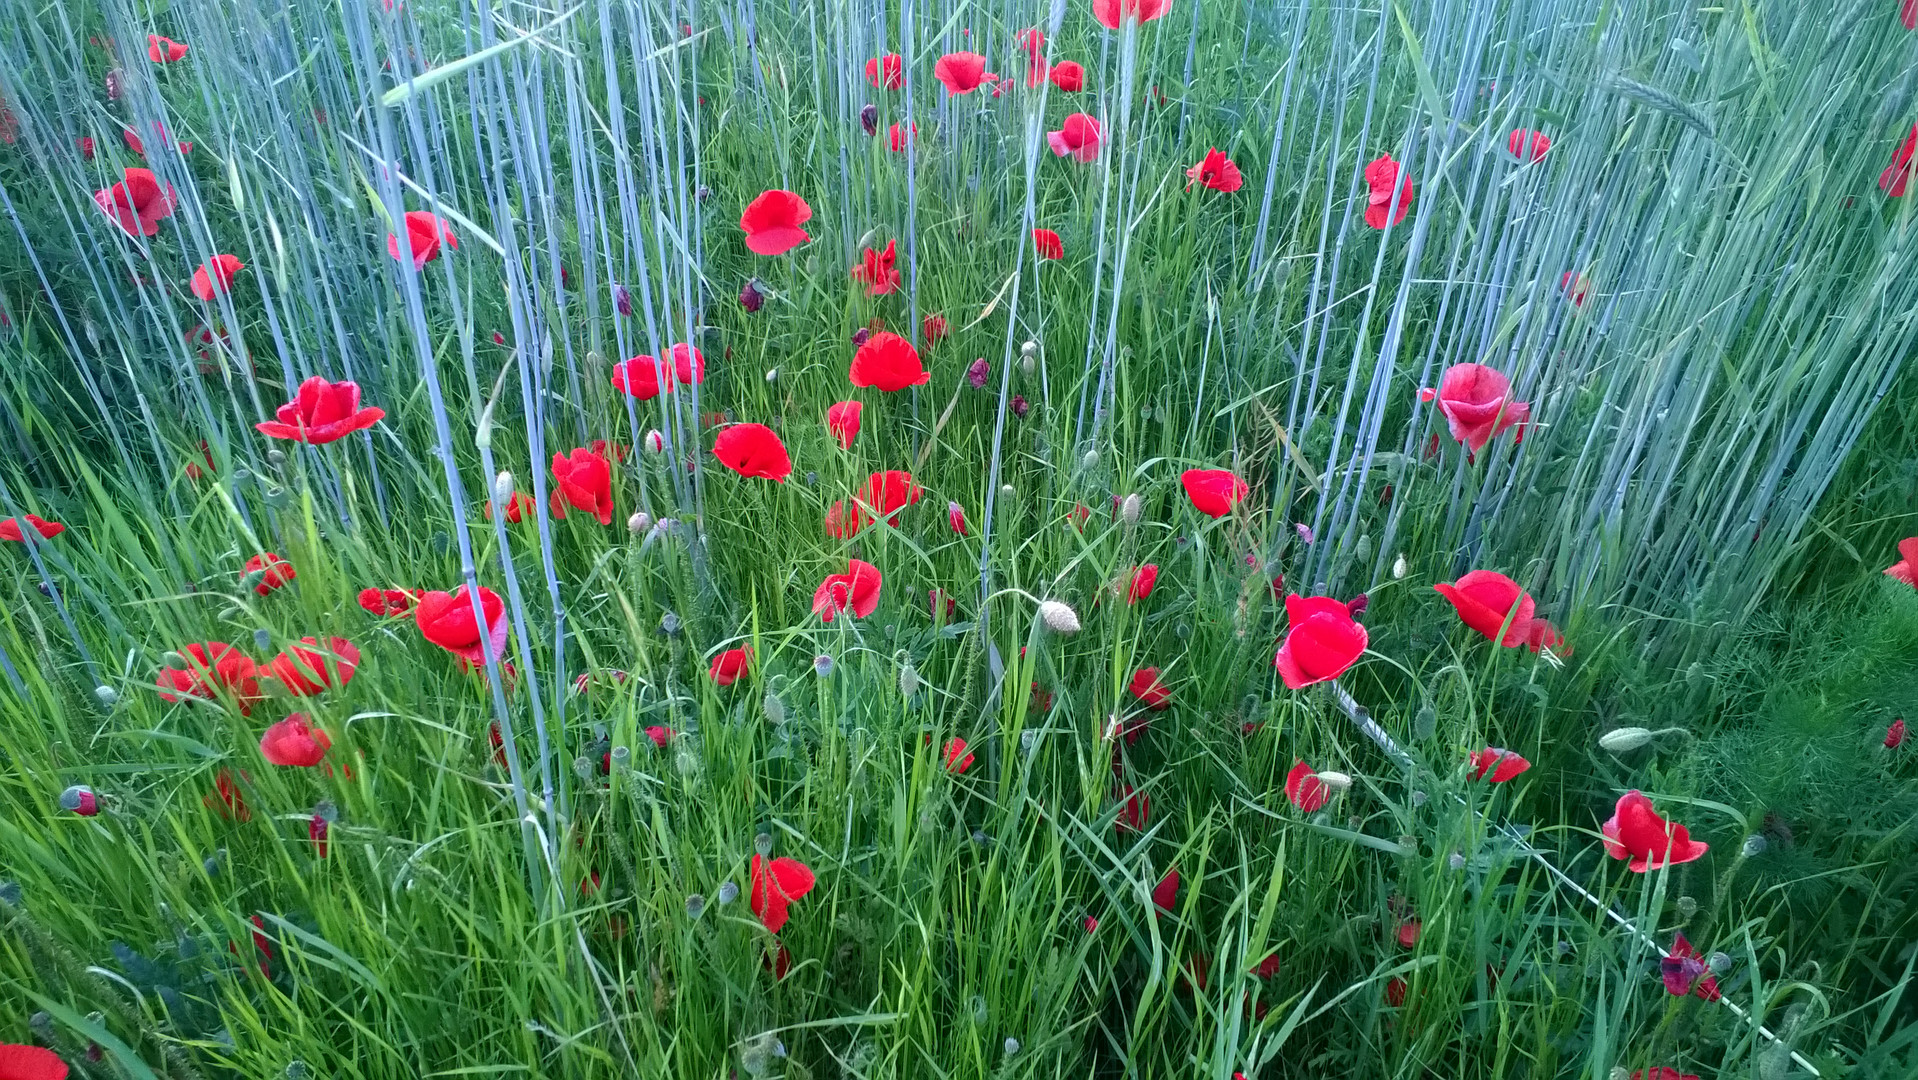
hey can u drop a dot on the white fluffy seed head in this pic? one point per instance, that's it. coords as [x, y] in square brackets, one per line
[1059, 618]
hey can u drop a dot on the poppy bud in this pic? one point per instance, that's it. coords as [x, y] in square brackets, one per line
[669, 624]
[869, 118]
[822, 665]
[1012, 1046]
[172, 661]
[275, 458]
[1719, 962]
[1398, 568]
[1337, 781]
[655, 442]
[1028, 349]
[1755, 845]
[1455, 860]
[1624, 740]
[1131, 508]
[978, 372]
[1006, 492]
[1058, 618]
[623, 301]
[107, 696]
[79, 799]
[861, 336]
[704, 194]
[638, 523]
[773, 709]
[763, 844]
[1425, 723]
[772, 376]
[750, 297]
[908, 680]
[503, 489]
[1090, 461]
[1019, 406]
[695, 906]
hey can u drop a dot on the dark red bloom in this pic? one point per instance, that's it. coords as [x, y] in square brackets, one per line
[1305, 789]
[1502, 764]
[1322, 640]
[1382, 176]
[1068, 75]
[216, 277]
[274, 572]
[1395, 992]
[1216, 171]
[1078, 136]
[1477, 403]
[212, 667]
[894, 68]
[842, 422]
[1111, 13]
[1166, 893]
[164, 50]
[753, 450]
[295, 743]
[856, 590]
[957, 760]
[888, 362]
[446, 620]
[1684, 971]
[1214, 492]
[1135, 811]
[322, 412]
[776, 883]
[1895, 734]
[10, 528]
[85, 143]
[426, 233]
[1897, 176]
[227, 798]
[316, 830]
[1149, 690]
[1527, 146]
[934, 327]
[1048, 244]
[728, 667]
[878, 273]
[772, 222]
[584, 482]
[137, 203]
[962, 72]
[1268, 967]
[1636, 832]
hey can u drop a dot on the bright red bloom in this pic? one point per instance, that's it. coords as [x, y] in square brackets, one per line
[856, 590]
[386, 601]
[1135, 811]
[322, 412]
[216, 276]
[294, 743]
[1484, 599]
[753, 450]
[164, 50]
[1143, 579]
[305, 670]
[772, 222]
[1527, 146]
[273, 570]
[1408, 932]
[1078, 136]
[957, 760]
[1477, 403]
[660, 736]
[1905, 569]
[1214, 492]
[895, 71]
[1897, 176]
[842, 422]
[1575, 286]
[1895, 734]
[446, 620]
[213, 666]
[427, 233]
[18, 1062]
[1685, 972]
[956, 517]
[10, 528]
[1216, 171]
[1636, 832]
[1148, 689]
[1067, 75]
[641, 377]
[1502, 764]
[1305, 789]
[896, 139]
[518, 508]
[1322, 640]
[1380, 176]
[1111, 13]
[962, 72]
[776, 883]
[878, 273]
[728, 667]
[584, 482]
[1048, 244]
[137, 203]
[888, 362]
[887, 493]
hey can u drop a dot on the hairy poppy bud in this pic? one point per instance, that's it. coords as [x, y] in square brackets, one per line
[1425, 723]
[773, 709]
[172, 661]
[869, 118]
[655, 442]
[79, 799]
[1337, 781]
[1398, 568]
[1012, 1046]
[1090, 461]
[1007, 492]
[1131, 508]
[638, 523]
[750, 297]
[908, 680]
[503, 489]
[1624, 740]
[107, 696]
[1028, 349]
[1059, 618]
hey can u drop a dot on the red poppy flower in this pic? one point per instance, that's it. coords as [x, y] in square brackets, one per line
[1135, 810]
[1048, 244]
[641, 377]
[321, 412]
[895, 72]
[1477, 404]
[85, 143]
[426, 232]
[585, 482]
[304, 670]
[1214, 492]
[842, 422]
[1502, 764]
[753, 450]
[1111, 13]
[216, 276]
[1381, 176]
[957, 760]
[274, 572]
[887, 493]
[877, 273]
[1408, 932]
[1266, 968]
[776, 883]
[772, 222]
[1636, 832]
[1143, 579]
[1166, 893]
[294, 743]
[962, 72]
[227, 798]
[1908, 14]
[1322, 640]
[212, 666]
[1305, 789]
[896, 139]
[778, 961]
[1666, 1072]
[1895, 734]
[10, 528]
[934, 327]
[164, 50]
[1078, 136]
[1216, 171]
[728, 667]
[1484, 599]
[1684, 971]
[1395, 992]
[956, 517]
[446, 620]
[1905, 569]
[856, 590]
[660, 736]
[138, 203]
[518, 508]
[1067, 75]
[1897, 176]
[1148, 689]
[1527, 146]
[1575, 286]
[18, 1062]
[386, 601]
[888, 362]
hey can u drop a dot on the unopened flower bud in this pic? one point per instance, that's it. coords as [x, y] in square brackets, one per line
[172, 661]
[1755, 845]
[1059, 618]
[978, 373]
[669, 624]
[1398, 568]
[1624, 740]
[1719, 962]
[107, 696]
[772, 376]
[79, 799]
[1028, 349]
[639, 523]
[1425, 723]
[1090, 461]
[773, 709]
[1012, 1046]
[654, 442]
[1131, 508]
[1008, 492]
[623, 301]
[908, 680]
[503, 489]
[1337, 781]
[1456, 860]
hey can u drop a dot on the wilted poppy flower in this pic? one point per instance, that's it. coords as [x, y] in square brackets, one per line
[273, 570]
[957, 760]
[961, 72]
[772, 222]
[1381, 176]
[1143, 579]
[1476, 401]
[956, 517]
[1484, 599]
[1048, 244]
[18, 1062]
[1527, 146]
[1149, 690]
[1905, 569]
[776, 883]
[896, 138]
[1897, 175]
[888, 362]
[1322, 640]
[877, 272]
[1135, 811]
[934, 327]
[1078, 136]
[894, 69]
[1067, 75]
[842, 422]
[1214, 492]
[1684, 971]
[212, 666]
[426, 233]
[1895, 734]
[446, 620]
[1304, 788]
[10, 528]
[856, 590]
[138, 203]
[294, 743]
[753, 450]
[517, 507]
[1502, 764]
[1575, 286]
[977, 373]
[1215, 171]
[585, 482]
[164, 50]
[321, 412]
[216, 276]
[304, 670]
[1111, 13]
[1636, 832]
[386, 601]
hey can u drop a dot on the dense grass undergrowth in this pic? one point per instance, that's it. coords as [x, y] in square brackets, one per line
[1363, 454]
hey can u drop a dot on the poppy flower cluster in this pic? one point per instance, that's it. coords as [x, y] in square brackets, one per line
[645, 378]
